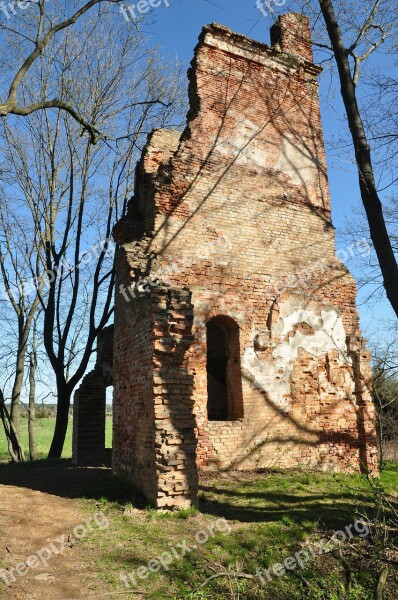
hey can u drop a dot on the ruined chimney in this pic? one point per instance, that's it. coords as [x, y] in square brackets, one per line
[291, 34]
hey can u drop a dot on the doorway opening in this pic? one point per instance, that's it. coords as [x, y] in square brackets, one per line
[224, 383]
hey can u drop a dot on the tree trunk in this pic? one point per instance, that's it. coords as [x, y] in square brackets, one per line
[61, 422]
[14, 447]
[32, 409]
[17, 387]
[370, 198]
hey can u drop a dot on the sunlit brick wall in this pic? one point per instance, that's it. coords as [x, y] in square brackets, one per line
[237, 211]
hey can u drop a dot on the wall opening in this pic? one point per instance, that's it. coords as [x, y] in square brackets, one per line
[224, 382]
[109, 418]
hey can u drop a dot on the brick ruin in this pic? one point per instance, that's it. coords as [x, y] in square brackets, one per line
[89, 406]
[237, 342]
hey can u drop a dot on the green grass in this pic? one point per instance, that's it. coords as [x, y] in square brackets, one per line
[272, 516]
[44, 434]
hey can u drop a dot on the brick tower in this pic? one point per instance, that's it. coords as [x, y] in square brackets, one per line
[236, 341]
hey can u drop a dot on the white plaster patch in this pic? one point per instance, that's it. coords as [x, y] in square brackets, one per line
[274, 376]
[329, 333]
[296, 161]
[243, 146]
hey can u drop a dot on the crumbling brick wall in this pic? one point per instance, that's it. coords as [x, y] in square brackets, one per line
[89, 406]
[235, 212]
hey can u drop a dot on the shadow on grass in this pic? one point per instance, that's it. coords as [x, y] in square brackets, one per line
[331, 508]
[323, 498]
[61, 478]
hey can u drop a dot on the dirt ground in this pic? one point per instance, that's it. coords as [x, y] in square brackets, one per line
[32, 518]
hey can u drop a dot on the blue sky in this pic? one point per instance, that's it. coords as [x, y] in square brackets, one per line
[175, 30]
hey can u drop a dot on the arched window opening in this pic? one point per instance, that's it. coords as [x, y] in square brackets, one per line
[224, 384]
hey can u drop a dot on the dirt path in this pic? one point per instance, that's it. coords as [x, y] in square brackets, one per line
[30, 521]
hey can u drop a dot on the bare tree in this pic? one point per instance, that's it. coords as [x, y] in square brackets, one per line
[37, 44]
[385, 393]
[14, 447]
[32, 396]
[349, 71]
[381, 122]
[16, 249]
[73, 192]
[359, 40]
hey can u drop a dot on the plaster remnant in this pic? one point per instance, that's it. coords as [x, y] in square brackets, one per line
[297, 162]
[243, 146]
[273, 376]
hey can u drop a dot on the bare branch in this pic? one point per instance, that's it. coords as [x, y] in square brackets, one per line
[10, 106]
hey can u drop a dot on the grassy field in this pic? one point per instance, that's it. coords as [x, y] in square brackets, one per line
[44, 433]
[271, 516]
